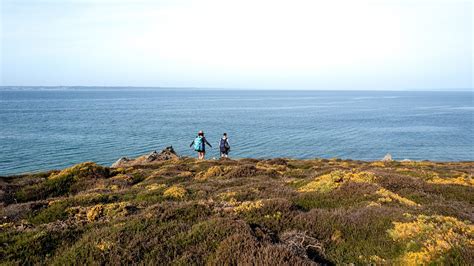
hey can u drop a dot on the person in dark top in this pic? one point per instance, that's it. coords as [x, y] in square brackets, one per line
[199, 145]
[224, 146]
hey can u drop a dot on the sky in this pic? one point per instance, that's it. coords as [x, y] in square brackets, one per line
[328, 45]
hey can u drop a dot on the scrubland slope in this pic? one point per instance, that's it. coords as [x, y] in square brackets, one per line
[279, 211]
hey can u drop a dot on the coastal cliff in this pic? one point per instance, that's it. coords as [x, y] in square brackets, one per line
[166, 209]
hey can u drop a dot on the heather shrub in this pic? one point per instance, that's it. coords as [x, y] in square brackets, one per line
[33, 247]
[259, 212]
[61, 183]
[242, 171]
[55, 211]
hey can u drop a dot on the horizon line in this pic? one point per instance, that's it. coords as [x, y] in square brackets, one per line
[224, 88]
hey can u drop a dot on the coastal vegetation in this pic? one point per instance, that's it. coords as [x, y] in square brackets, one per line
[277, 211]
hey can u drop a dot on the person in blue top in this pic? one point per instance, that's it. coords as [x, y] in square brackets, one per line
[199, 145]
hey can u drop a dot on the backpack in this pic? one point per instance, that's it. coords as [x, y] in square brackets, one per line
[224, 145]
[198, 144]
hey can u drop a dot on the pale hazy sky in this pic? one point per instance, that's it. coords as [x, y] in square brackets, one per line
[356, 44]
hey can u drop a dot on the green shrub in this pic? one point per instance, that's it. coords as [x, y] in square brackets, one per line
[33, 247]
[54, 212]
[58, 184]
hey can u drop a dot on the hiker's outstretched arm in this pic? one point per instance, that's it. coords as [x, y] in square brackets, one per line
[192, 143]
[208, 143]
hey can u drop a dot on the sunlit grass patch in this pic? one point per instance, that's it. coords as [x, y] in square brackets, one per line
[429, 239]
[349, 195]
[64, 182]
[378, 164]
[247, 206]
[324, 183]
[185, 174]
[418, 173]
[155, 186]
[82, 170]
[175, 192]
[273, 216]
[295, 173]
[295, 183]
[389, 196]
[213, 171]
[335, 179]
[123, 177]
[104, 245]
[463, 180]
[227, 196]
[109, 211]
[278, 169]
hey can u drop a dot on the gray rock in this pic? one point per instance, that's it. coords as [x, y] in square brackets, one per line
[166, 154]
[152, 156]
[120, 162]
[387, 158]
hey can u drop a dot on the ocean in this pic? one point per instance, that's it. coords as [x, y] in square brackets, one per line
[52, 128]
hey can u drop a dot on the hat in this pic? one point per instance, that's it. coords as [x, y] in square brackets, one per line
[200, 132]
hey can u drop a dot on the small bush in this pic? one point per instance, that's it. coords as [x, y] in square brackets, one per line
[247, 206]
[210, 172]
[58, 184]
[54, 212]
[389, 196]
[429, 239]
[242, 171]
[175, 192]
[335, 179]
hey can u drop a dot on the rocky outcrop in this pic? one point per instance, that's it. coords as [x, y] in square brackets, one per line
[387, 158]
[121, 161]
[166, 154]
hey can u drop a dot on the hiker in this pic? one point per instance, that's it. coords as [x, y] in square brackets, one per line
[224, 146]
[199, 145]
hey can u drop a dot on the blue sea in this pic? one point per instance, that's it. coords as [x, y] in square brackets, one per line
[51, 128]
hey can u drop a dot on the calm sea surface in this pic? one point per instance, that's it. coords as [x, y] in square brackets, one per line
[46, 129]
